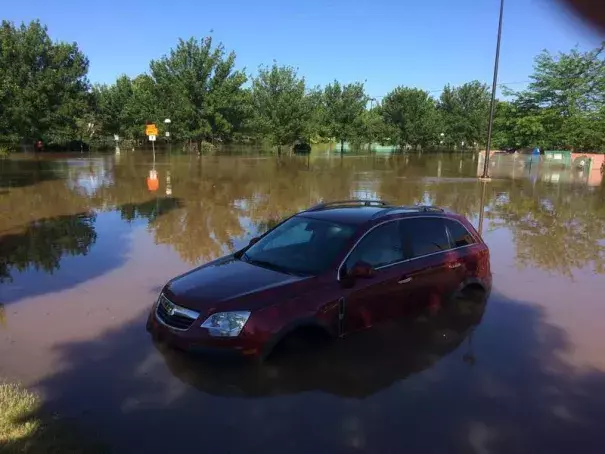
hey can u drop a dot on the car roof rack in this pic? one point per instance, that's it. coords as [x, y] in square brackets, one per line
[412, 208]
[362, 202]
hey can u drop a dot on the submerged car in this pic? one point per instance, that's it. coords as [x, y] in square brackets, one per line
[332, 269]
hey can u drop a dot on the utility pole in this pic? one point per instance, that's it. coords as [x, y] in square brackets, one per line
[493, 101]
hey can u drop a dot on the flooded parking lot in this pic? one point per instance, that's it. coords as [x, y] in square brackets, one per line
[86, 242]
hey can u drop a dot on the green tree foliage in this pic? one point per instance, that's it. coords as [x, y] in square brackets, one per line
[344, 108]
[317, 129]
[562, 107]
[464, 113]
[125, 107]
[373, 128]
[281, 105]
[515, 127]
[410, 115]
[112, 102]
[43, 84]
[143, 107]
[44, 93]
[199, 88]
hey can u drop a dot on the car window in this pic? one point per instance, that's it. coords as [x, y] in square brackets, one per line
[292, 234]
[301, 245]
[459, 235]
[426, 236]
[382, 246]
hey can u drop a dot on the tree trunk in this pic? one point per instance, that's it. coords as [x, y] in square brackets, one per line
[279, 150]
[342, 146]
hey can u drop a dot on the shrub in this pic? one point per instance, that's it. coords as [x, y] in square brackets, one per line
[207, 147]
[5, 150]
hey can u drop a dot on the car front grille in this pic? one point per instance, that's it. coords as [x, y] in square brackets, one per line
[174, 316]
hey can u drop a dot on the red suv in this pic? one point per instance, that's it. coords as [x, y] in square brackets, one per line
[333, 269]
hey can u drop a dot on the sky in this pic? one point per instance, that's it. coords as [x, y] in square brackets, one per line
[383, 43]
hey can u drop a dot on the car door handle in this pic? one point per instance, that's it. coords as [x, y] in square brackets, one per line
[455, 265]
[405, 280]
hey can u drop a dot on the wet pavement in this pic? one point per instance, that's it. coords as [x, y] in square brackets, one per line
[86, 242]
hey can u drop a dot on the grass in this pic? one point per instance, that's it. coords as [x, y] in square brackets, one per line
[24, 428]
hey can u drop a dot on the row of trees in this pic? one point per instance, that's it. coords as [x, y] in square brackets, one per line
[45, 93]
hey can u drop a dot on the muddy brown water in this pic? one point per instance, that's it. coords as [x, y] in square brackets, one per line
[87, 241]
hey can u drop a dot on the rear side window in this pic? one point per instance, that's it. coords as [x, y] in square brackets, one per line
[459, 235]
[426, 236]
[382, 246]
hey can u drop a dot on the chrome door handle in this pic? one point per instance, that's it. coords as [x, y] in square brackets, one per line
[455, 265]
[405, 281]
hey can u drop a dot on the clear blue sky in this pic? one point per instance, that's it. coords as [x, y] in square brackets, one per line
[422, 43]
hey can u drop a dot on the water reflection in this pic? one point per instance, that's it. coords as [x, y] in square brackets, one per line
[24, 172]
[206, 206]
[71, 327]
[43, 243]
[557, 228]
[357, 366]
[150, 210]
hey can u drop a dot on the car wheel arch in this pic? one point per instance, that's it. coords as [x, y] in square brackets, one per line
[472, 283]
[294, 327]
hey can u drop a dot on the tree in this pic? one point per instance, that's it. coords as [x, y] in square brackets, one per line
[199, 89]
[43, 84]
[464, 113]
[142, 107]
[343, 109]
[112, 102]
[566, 97]
[411, 116]
[517, 127]
[373, 128]
[317, 129]
[283, 111]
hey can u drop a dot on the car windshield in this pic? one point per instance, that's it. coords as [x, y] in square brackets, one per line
[300, 246]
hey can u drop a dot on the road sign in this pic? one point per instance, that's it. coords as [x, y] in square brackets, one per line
[152, 137]
[167, 134]
[151, 130]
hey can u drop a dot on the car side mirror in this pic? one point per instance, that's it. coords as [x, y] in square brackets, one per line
[362, 270]
[253, 241]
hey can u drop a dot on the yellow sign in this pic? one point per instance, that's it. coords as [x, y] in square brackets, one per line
[151, 130]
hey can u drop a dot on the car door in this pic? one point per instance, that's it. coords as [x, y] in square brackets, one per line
[465, 248]
[435, 268]
[374, 299]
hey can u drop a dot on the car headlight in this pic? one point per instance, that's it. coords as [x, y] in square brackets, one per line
[226, 324]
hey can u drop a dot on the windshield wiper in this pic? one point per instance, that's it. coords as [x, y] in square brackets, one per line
[269, 265]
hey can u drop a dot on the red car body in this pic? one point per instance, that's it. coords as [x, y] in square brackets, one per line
[340, 298]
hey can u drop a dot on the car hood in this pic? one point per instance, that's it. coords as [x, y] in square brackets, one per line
[229, 284]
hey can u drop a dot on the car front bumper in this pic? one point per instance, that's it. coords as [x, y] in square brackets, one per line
[197, 340]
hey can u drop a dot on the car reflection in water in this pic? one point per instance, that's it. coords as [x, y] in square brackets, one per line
[357, 366]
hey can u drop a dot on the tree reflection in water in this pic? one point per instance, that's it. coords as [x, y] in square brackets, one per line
[43, 243]
[557, 228]
[216, 203]
[226, 200]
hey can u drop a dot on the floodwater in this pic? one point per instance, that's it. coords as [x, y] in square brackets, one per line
[87, 241]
